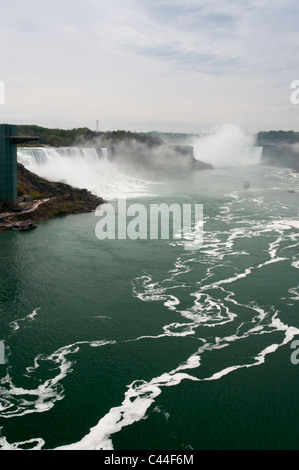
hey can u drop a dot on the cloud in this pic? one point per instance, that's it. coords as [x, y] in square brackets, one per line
[205, 36]
[188, 37]
[171, 61]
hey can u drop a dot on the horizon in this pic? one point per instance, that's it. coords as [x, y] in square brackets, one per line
[133, 131]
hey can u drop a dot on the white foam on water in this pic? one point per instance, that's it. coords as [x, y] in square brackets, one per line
[295, 293]
[15, 325]
[15, 400]
[141, 395]
[290, 333]
[294, 223]
[179, 329]
[138, 399]
[295, 264]
[207, 311]
[192, 363]
[32, 444]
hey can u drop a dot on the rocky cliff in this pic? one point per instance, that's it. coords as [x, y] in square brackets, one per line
[55, 199]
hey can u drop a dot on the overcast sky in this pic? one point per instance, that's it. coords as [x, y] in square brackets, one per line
[174, 65]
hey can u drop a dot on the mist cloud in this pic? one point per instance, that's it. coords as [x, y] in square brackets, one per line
[228, 145]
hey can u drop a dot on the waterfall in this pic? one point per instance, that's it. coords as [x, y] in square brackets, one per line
[229, 145]
[43, 155]
[80, 167]
[252, 155]
[105, 154]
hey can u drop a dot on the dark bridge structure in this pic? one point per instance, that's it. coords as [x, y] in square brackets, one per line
[8, 161]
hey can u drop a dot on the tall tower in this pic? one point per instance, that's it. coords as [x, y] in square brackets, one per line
[8, 161]
[8, 164]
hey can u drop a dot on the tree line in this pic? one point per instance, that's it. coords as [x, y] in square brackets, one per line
[73, 137]
[80, 136]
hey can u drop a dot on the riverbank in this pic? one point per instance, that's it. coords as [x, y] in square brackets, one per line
[42, 200]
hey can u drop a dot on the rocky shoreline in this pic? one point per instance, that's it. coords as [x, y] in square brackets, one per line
[41, 200]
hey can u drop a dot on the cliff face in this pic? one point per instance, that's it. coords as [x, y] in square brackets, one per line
[154, 160]
[281, 154]
[57, 198]
[280, 148]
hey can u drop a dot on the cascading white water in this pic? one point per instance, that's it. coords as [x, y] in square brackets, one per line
[42, 156]
[252, 155]
[80, 167]
[228, 145]
[105, 154]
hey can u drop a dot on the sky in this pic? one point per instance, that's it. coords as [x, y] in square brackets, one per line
[142, 65]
